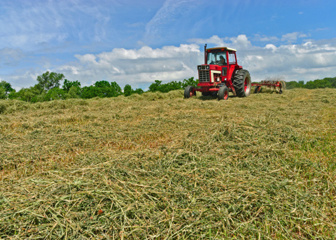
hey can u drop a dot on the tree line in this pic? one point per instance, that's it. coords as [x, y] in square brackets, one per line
[48, 87]
[318, 83]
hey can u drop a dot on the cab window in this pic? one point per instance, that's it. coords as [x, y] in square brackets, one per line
[232, 58]
[218, 58]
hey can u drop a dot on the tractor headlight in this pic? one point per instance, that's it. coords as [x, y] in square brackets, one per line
[199, 67]
[207, 67]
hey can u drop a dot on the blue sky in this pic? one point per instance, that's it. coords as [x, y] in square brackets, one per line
[136, 42]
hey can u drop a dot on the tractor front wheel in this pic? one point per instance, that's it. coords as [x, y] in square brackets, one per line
[242, 83]
[189, 92]
[223, 93]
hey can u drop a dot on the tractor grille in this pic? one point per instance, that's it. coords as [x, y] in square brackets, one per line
[204, 75]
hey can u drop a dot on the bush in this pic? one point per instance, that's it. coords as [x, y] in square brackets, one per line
[170, 86]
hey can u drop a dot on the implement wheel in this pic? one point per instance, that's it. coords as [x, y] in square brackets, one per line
[223, 93]
[257, 89]
[189, 92]
[242, 83]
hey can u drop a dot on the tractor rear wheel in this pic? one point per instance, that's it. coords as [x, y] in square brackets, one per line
[242, 83]
[189, 92]
[223, 93]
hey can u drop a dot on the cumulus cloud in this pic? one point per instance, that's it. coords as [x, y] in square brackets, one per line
[306, 61]
[140, 67]
[21, 78]
[136, 66]
[215, 40]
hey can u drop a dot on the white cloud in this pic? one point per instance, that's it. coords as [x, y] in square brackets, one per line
[144, 65]
[271, 46]
[22, 79]
[10, 56]
[215, 40]
[257, 37]
[140, 67]
[292, 37]
[136, 66]
[241, 41]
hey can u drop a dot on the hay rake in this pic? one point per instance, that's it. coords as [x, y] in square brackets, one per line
[276, 84]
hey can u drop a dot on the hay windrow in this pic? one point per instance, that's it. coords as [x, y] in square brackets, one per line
[156, 166]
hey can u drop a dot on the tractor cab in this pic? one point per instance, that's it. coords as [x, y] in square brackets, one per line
[218, 68]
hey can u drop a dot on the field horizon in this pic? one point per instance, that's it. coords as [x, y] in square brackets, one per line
[157, 166]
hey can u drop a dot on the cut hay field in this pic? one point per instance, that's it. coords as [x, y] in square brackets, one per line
[157, 166]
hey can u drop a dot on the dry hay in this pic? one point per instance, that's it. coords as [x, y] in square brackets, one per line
[156, 166]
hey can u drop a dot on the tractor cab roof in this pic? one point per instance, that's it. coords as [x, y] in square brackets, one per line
[221, 48]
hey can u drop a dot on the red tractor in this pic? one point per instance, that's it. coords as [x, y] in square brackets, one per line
[221, 74]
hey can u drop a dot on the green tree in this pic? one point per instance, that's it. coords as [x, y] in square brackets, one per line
[25, 94]
[3, 94]
[7, 86]
[49, 80]
[127, 90]
[292, 84]
[88, 92]
[55, 93]
[74, 92]
[69, 84]
[318, 84]
[190, 82]
[101, 89]
[173, 85]
[102, 84]
[155, 86]
[332, 81]
[116, 88]
[138, 91]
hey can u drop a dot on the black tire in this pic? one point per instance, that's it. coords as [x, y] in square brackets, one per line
[242, 83]
[189, 92]
[223, 93]
[256, 90]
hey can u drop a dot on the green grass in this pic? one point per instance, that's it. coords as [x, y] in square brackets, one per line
[157, 166]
